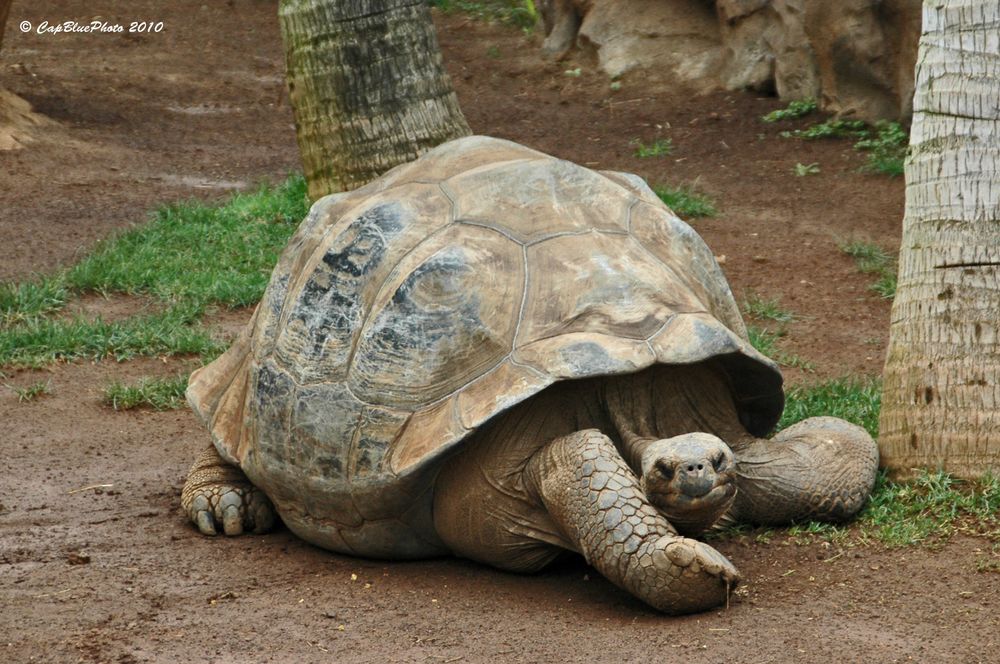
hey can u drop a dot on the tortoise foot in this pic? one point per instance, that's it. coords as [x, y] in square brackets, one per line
[680, 575]
[822, 468]
[218, 496]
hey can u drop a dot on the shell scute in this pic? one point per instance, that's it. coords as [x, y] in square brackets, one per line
[324, 212]
[445, 316]
[269, 410]
[325, 422]
[497, 391]
[634, 184]
[608, 285]
[538, 198]
[332, 296]
[450, 159]
[376, 433]
[579, 354]
[695, 270]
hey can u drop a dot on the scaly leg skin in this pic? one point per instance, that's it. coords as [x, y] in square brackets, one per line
[822, 468]
[593, 496]
[217, 493]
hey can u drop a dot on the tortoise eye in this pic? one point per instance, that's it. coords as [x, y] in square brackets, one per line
[717, 462]
[665, 470]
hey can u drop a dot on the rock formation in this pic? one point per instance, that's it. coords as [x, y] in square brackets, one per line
[855, 57]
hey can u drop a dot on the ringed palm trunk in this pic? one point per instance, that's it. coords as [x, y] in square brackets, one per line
[367, 87]
[941, 400]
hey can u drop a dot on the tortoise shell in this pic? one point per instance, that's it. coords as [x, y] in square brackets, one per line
[405, 314]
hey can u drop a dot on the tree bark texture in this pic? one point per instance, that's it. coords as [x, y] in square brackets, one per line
[941, 400]
[4, 13]
[367, 86]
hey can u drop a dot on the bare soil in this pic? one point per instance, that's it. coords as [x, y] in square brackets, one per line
[98, 565]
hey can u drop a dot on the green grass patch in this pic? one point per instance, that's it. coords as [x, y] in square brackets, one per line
[854, 400]
[885, 285]
[886, 142]
[805, 533]
[193, 252]
[661, 147]
[766, 343]
[990, 563]
[190, 256]
[930, 509]
[31, 298]
[685, 202]
[830, 129]
[518, 13]
[802, 170]
[766, 337]
[869, 256]
[873, 259]
[39, 341]
[155, 393]
[886, 149]
[763, 308]
[33, 391]
[926, 511]
[795, 109]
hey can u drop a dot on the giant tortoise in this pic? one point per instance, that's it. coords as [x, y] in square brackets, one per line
[501, 355]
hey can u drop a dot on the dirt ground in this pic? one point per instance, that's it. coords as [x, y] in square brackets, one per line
[113, 573]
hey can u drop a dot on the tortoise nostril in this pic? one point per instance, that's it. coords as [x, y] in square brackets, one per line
[701, 466]
[690, 469]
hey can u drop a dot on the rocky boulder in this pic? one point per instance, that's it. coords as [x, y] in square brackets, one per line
[855, 57]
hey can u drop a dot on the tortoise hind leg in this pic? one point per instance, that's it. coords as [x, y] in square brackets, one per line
[217, 493]
[596, 500]
[822, 468]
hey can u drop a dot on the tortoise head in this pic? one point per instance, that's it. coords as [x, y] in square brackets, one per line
[690, 479]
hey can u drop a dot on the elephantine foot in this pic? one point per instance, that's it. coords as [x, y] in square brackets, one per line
[218, 495]
[680, 575]
[822, 468]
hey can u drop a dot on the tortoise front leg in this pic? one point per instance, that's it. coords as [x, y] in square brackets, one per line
[822, 468]
[595, 499]
[217, 493]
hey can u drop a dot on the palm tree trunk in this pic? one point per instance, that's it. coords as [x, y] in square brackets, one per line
[367, 87]
[941, 400]
[4, 13]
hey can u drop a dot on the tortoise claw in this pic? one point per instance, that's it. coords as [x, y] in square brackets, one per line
[203, 519]
[694, 557]
[232, 517]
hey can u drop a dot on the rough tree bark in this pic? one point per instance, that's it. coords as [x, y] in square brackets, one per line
[367, 87]
[4, 13]
[941, 400]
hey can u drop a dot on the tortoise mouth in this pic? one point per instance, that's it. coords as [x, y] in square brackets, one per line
[692, 514]
[724, 491]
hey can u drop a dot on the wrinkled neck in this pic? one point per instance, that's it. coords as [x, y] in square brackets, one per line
[666, 401]
[630, 404]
